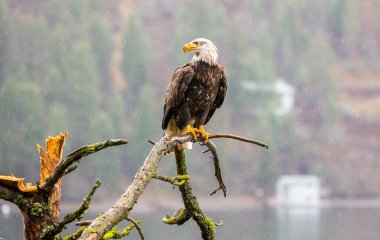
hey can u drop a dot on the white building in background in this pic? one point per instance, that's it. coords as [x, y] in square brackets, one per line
[282, 89]
[298, 191]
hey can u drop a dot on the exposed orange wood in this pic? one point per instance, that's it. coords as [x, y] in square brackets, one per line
[49, 159]
[17, 184]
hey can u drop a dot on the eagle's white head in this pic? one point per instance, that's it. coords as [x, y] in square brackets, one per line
[204, 50]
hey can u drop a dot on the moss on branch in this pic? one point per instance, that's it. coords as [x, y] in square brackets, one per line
[75, 235]
[64, 166]
[176, 181]
[77, 214]
[39, 204]
[179, 217]
[117, 234]
[205, 223]
[121, 209]
[137, 225]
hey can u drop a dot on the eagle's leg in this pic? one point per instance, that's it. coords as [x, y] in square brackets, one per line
[203, 134]
[191, 131]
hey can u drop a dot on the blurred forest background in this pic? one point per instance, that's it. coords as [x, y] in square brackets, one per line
[99, 69]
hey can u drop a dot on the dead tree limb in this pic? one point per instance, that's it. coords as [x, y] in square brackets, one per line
[125, 204]
[64, 166]
[73, 215]
[236, 137]
[121, 209]
[179, 217]
[205, 223]
[39, 204]
[218, 173]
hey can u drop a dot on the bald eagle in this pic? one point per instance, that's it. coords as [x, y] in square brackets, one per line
[194, 92]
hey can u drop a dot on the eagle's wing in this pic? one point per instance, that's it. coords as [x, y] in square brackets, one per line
[219, 97]
[176, 91]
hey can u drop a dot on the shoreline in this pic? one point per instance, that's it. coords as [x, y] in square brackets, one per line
[214, 204]
[236, 203]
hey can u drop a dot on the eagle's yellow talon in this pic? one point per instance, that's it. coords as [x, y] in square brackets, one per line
[203, 134]
[191, 131]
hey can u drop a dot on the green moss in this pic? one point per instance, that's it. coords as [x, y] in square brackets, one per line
[111, 233]
[178, 218]
[75, 235]
[211, 223]
[115, 234]
[46, 230]
[39, 209]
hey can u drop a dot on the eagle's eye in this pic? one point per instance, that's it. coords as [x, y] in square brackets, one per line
[196, 43]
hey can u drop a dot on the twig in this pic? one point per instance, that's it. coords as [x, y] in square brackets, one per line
[77, 213]
[218, 173]
[83, 223]
[115, 234]
[189, 138]
[236, 137]
[75, 235]
[62, 167]
[216, 190]
[206, 150]
[179, 217]
[125, 204]
[137, 225]
[70, 169]
[176, 181]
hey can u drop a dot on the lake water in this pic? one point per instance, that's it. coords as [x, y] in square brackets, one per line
[263, 224]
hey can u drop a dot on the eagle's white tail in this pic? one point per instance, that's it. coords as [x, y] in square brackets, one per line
[189, 145]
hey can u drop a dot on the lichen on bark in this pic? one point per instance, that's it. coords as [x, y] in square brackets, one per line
[205, 223]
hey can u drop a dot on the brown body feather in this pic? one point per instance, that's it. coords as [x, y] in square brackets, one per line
[195, 91]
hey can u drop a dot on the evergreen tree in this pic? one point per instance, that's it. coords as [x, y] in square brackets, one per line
[205, 23]
[28, 50]
[4, 30]
[134, 62]
[21, 127]
[144, 126]
[101, 44]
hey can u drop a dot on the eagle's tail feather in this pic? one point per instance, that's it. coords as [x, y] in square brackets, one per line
[173, 131]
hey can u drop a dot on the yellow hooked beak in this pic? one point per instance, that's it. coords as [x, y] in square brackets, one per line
[189, 47]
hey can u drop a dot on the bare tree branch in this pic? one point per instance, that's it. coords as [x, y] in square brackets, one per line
[218, 173]
[176, 181]
[83, 223]
[205, 223]
[137, 226]
[121, 209]
[12, 196]
[236, 137]
[179, 217]
[77, 213]
[125, 204]
[75, 235]
[189, 138]
[64, 166]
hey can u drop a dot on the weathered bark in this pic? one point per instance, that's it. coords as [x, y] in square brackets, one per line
[39, 205]
[125, 204]
[120, 211]
[205, 223]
